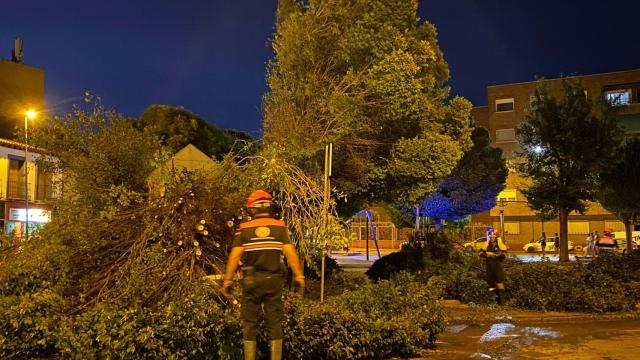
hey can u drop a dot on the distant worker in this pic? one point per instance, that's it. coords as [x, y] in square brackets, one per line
[556, 243]
[543, 244]
[606, 243]
[260, 243]
[588, 245]
[495, 253]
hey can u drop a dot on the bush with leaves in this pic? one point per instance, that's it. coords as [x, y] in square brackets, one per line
[409, 258]
[195, 326]
[29, 324]
[552, 287]
[383, 320]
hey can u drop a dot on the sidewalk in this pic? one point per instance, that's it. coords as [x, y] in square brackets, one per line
[355, 261]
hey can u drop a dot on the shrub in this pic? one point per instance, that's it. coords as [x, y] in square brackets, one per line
[195, 327]
[41, 264]
[551, 287]
[409, 258]
[313, 270]
[29, 324]
[383, 320]
[337, 284]
[468, 288]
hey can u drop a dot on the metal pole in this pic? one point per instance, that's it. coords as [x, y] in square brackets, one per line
[366, 233]
[26, 180]
[328, 149]
[502, 226]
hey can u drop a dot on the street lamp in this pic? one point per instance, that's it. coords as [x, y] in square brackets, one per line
[28, 115]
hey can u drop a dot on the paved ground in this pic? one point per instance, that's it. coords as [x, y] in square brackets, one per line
[507, 333]
[355, 261]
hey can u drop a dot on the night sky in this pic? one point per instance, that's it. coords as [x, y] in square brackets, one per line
[209, 55]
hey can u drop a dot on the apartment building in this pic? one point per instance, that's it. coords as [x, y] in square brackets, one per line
[18, 191]
[21, 89]
[507, 106]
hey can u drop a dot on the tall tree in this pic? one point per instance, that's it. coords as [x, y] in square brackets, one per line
[619, 187]
[369, 77]
[566, 141]
[473, 185]
[178, 127]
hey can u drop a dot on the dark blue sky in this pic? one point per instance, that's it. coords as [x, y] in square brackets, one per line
[209, 55]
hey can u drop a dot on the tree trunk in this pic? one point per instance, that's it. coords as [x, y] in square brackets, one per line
[627, 230]
[564, 235]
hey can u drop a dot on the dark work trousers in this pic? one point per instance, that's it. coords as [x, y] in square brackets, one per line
[495, 272]
[262, 291]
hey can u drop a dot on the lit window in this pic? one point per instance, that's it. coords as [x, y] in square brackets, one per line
[505, 135]
[618, 97]
[504, 105]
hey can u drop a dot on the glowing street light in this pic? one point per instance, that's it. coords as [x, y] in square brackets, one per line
[537, 149]
[28, 115]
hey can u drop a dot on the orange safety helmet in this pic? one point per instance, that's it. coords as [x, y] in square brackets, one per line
[259, 198]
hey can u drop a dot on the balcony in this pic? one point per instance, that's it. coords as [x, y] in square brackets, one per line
[16, 190]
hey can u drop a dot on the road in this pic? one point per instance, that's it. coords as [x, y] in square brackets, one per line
[571, 340]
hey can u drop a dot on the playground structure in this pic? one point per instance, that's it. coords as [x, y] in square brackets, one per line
[378, 234]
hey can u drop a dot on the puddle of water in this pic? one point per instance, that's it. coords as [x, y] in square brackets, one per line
[454, 329]
[498, 331]
[570, 340]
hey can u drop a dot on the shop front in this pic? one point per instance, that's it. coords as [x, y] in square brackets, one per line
[16, 216]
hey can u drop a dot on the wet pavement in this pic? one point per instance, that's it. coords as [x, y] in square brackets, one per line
[618, 339]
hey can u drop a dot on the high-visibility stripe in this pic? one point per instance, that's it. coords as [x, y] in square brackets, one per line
[264, 242]
[262, 222]
[264, 238]
[247, 246]
[260, 249]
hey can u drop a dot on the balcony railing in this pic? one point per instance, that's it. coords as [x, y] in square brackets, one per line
[16, 190]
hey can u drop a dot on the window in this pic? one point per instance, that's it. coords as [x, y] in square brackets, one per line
[44, 185]
[618, 97]
[614, 224]
[512, 228]
[504, 105]
[508, 195]
[578, 227]
[505, 135]
[15, 184]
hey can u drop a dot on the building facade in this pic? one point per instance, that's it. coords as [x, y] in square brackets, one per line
[21, 89]
[19, 189]
[21, 181]
[507, 107]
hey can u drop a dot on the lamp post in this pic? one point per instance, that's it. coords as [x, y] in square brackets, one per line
[29, 115]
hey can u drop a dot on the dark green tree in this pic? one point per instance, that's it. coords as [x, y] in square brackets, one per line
[178, 127]
[473, 185]
[566, 142]
[369, 77]
[618, 187]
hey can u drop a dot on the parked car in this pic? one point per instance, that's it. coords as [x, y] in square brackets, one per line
[622, 243]
[537, 247]
[476, 245]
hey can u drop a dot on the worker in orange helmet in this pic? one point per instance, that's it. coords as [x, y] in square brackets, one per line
[494, 253]
[606, 243]
[260, 243]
